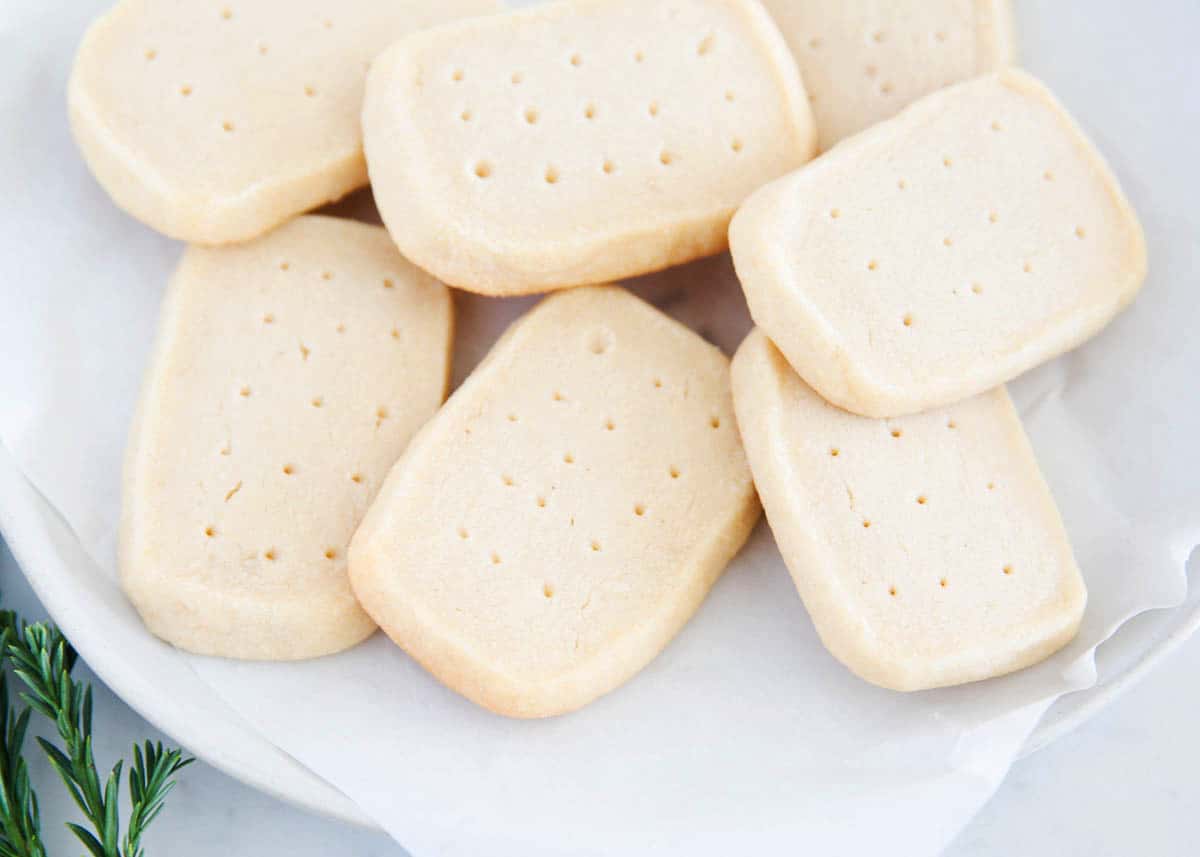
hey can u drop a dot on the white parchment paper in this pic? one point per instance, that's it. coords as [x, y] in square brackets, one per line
[744, 736]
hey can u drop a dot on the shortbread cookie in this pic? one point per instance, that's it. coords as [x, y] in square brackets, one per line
[566, 512]
[927, 549]
[288, 376]
[865, 60]
[216, 121]
[581, 141]
[940, 253]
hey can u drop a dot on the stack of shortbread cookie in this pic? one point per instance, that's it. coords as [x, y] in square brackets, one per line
[294, 479]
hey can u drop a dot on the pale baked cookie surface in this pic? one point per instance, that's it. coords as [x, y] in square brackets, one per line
[216, 121]
[288, 376]
[580, 141]
[566, 512]
[927, 549]
[940, 253]
[865, 60]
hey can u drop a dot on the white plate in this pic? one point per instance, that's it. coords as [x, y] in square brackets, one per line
[156, 682]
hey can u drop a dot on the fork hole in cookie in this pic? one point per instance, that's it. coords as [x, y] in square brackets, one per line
[892, 591]
[866, 524]
[330, 553]
[495, 558]
[185, 90]
[227, 127]
[547, 590]
[210, 531]
[1008, 570]
[595, 545]
[873, 265]
[568, 458]
[318, 402]
[922, 500]
[1080, 232]
[551, 175]
[531, 115]
[714, 422]
[730, 96]
[457, 75]
[463, 534]
[270, 554]
[653, 108]
[465, 116]
[835, 452]
[541, 502]
[558, 396]
[483, 170]
[576, 60]
[658, 383]
[609, 168]
[288, 470]
[356, 478]
[310, 91]
[151, 54]
[976, 289]
[639, 509]
[226, 13]
[600, 341]
[609, 425]
[908, 321]
[897, 433]
[674, 471]
[589, 112]
[639, 56]
[735, 144]
[943, 583]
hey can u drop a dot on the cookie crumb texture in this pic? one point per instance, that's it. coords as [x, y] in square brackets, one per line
[582, 141]
[865, 60]
[214, 122]
[941, 253]
[928, 549]
[288, 376]
[566, 512]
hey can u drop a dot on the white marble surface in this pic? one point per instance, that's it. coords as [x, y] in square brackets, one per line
[1123, 784]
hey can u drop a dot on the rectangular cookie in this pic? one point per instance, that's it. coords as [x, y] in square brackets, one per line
[941, 253]
[865, 60]
[581, 141]
[213, 122]
[927, 549]
[288, 376]
[566, 512]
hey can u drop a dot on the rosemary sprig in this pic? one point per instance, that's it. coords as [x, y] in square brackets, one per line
[43, 659]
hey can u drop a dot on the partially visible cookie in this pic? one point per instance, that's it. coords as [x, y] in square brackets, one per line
[288, 376]
[582, 141]
[865, 60]
[566, 512]
[928, 549]
[213, 122]
[940, 253]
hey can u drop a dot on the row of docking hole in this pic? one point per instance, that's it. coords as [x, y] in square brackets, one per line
[877, 37]
[226, 14]
[920, 499]
[993, 217]
[484, 169]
